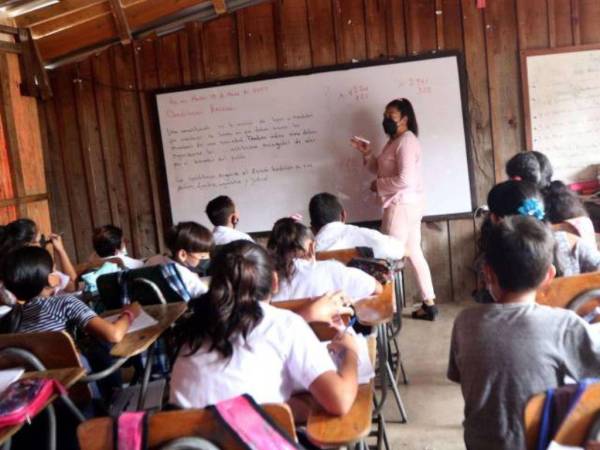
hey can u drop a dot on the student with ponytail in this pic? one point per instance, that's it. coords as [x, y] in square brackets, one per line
[572, 254]
[301, 276]
[399, 185]
[235, 342]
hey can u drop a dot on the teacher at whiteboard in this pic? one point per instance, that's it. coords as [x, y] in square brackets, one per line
[399, 185]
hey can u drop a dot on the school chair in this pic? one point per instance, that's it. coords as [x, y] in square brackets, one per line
[57, 350]
[345, 256]
[147, 285]
[165, 427]
[327, 430]
[575, 428]
[579, 293]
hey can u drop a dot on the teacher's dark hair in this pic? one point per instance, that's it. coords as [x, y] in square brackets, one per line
[242, 277]
[286, 243]
[406, 109]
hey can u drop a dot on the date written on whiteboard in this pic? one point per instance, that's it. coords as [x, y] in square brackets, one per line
[422, 84]
[358, 93]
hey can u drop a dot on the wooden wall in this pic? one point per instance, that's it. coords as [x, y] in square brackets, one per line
[23, 190]
[102, 136]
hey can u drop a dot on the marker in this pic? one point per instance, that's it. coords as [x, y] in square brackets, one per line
[361, 139]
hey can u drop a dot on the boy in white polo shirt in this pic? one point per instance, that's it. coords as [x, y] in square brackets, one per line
[327, 219]
[223, 215]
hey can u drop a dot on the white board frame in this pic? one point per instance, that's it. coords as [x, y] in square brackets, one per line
[342, 67]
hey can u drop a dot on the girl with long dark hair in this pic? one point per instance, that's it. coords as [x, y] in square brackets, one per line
[300, 275]
[235, 342]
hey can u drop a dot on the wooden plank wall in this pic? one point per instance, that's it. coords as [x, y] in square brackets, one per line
[102, 137]
[22, 165]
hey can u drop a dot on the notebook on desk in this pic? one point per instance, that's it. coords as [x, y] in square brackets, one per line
[144, 320]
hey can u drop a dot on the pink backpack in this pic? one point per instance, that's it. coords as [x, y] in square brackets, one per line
[23, 399]
[241, 416]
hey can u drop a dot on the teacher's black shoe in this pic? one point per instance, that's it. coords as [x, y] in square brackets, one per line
[425, 312]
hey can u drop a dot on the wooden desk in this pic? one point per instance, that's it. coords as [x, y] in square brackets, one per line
[562, 290]
[67, 377]
[327, 430]
[378, 309]
[139, 341]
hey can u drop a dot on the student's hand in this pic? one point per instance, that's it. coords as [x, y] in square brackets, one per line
[134, 309]
[57, 242]
[344, 343]
[374, 186]
[328, 308]
[361, 146]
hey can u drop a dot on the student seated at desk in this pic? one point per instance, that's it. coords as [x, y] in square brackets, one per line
[24, 232]
[236, 342]
[504, 352]
[327, 219]
[27, 273]
[190, 245]
[108, 243]
[564, 207]
[572, 255]
[223, 215]
[302, 276]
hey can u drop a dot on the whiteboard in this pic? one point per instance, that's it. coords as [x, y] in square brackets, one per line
[272, 144]
[562, 102]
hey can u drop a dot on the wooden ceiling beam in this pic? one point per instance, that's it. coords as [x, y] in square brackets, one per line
[220, 6]
[65, 21]
[102, 29]
[121, 21]
[53, 12]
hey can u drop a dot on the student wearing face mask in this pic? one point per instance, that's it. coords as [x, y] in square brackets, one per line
[189, 244]
[399, 186]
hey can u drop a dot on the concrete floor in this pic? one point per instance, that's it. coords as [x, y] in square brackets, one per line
[434, 404]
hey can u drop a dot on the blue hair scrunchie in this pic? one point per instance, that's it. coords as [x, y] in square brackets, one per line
[532, 207]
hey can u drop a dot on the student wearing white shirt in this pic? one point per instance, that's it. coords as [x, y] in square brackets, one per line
[190, 245]
[327, 219]
[235, 343]
[108, 243]
[302, 276]
[222, 214]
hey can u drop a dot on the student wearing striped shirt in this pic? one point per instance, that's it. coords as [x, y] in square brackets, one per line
[28, 273]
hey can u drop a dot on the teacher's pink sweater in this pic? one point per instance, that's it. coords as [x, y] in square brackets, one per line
[398, 170]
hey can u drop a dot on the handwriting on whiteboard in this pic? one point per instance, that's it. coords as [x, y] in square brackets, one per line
[196, 151]
[564, 100]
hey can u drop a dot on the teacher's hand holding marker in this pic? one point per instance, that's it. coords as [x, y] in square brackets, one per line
[399, 186]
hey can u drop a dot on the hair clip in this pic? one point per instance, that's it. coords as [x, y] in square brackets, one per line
[532, 207]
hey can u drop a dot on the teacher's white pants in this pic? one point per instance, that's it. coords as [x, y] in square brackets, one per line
[403, 221]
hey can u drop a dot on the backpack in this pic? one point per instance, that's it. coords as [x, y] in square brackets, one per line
[241, 416]
[380, 269]
[23, 399]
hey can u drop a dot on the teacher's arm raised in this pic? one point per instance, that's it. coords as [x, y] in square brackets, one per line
[364, 147]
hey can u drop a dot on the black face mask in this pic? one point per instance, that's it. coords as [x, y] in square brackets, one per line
[202, 267]
[389, 126]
